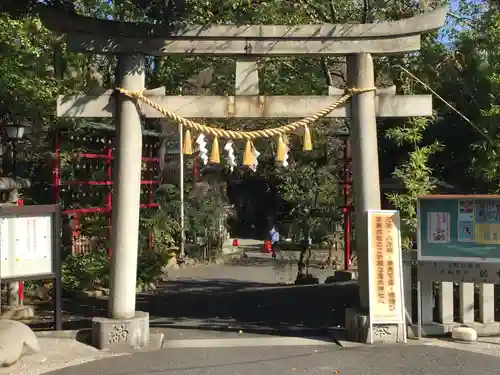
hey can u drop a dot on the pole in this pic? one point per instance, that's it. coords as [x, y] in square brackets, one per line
[181, 185]
[16, 288]
[56, 171]
[149, 148]
[366, 178]
[347, 208]
[56, 167]
[195, 167]
[14, 158]
[126, 190]
[109, 198]
[20, 290]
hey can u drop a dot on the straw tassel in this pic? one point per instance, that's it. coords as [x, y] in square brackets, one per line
[307, 140]
[187, 147]
[281, 149]
[215, 154]
[248, 158]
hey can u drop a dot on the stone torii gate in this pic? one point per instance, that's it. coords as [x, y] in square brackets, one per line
[132, 42]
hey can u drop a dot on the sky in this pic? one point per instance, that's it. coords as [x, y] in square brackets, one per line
[452, 22]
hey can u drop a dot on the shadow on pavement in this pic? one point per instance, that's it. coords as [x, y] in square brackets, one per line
[286, 261]
[228, 305]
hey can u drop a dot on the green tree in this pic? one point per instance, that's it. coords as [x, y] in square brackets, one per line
[485, 38]
[453, 67]
[415, 174]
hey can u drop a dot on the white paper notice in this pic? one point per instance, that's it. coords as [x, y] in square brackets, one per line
[438, 227]
[4, 239]
[33, 240]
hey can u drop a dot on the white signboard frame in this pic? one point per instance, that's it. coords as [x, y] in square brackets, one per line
[29, 242]
[399, 316]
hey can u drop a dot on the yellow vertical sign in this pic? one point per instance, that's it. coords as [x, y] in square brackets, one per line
[384, 243]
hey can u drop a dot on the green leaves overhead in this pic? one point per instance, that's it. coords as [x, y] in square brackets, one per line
[27, 89]
[462, 63]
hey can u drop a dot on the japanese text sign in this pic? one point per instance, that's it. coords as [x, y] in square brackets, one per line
[385, 267]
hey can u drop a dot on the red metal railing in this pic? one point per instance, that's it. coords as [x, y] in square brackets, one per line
[80, 243]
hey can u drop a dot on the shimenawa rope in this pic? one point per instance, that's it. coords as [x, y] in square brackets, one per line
[247, 135]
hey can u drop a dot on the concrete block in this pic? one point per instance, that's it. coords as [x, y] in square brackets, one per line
[341, 276]
[445, 329]
[94, 293]
[307, 280]
[16, 339]
[358, 327]
[20, 312]
[464, 334]
[119, 333]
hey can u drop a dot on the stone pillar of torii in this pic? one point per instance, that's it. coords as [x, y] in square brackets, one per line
[131, 43]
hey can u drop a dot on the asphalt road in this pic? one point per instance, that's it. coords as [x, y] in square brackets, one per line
[376, 360]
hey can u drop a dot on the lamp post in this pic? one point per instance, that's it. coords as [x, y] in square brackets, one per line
[15, 132]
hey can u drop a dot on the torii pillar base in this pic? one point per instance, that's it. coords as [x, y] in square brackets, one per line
[357, 325]
[119, 334]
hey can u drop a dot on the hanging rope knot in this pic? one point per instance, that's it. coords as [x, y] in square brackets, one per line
[131, 94]
[355, 90]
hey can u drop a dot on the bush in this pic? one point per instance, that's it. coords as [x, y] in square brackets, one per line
[85, 271]
[150, 265]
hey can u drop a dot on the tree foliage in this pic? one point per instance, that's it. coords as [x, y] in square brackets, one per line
[415, 174]
[461, 64]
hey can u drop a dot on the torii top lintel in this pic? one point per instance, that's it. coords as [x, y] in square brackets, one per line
[84, 34]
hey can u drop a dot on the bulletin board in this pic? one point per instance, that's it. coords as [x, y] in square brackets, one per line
[30, 248]
[29, 242]
[459, 228]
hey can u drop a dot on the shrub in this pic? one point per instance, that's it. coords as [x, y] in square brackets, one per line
[150, 265]
[85, 271]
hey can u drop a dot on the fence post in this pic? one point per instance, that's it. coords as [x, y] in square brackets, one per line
[446, 302]
[466, 296]
[427, 302]
[486, 303]
[408, 258]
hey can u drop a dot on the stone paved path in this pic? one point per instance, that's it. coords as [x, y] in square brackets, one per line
[254, 292]
[256, 267]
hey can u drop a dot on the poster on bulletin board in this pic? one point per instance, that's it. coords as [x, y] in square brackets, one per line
[459, 228]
